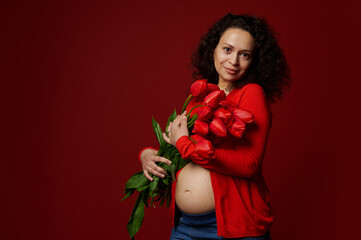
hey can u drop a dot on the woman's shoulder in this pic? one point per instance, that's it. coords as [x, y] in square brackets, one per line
[252, 87]
[249, 89]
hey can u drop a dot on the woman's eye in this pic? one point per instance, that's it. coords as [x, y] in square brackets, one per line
[245, 55]
[227, 49]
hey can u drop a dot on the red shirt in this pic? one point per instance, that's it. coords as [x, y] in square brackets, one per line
[241, 195]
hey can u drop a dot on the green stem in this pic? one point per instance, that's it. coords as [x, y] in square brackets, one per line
[193, 140]
[193, 108]
[189, 98]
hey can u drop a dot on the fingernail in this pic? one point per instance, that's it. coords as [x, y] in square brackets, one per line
[162, 175]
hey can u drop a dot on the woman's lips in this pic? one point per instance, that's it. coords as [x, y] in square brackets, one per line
[231, 71]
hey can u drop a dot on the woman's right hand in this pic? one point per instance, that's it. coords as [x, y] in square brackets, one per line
[149, 159]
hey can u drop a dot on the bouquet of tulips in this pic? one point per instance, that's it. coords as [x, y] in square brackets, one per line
[213, 119]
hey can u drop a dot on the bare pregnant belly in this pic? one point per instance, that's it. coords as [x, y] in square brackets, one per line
[194, 193]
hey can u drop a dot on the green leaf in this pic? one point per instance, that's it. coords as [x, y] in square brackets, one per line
[142, 188]
[161, 150]
[172, 171]
[192, 120]
[138, 180]
[166, 167]
[145, 198]
[165, 181]
[158, 132]
[176, 163]
[128, 194]
[182, 162]
[136, 219]
[152, 189]
[153, 186]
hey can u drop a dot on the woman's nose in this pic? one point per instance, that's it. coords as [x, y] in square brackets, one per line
[233, 59]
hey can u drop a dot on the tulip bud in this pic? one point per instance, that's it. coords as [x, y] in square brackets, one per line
[212, 100]
[229, 106]
[237, 129]
[223, 114]
[242, 115]
[229, 124]
[199, 88]
[204, 113]
[205, 149]
[197, 137]
[212, 87]
[200, 128]
[218, 128]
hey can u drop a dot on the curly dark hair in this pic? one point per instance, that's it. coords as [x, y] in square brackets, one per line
[269, 67]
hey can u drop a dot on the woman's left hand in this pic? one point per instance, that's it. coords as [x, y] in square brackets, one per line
[177, 129]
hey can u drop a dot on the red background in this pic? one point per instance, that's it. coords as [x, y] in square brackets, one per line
[81, 80]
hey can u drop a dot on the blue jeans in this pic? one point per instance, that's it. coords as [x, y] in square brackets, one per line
[202, 226]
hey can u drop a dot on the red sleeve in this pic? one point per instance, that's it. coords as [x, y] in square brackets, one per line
[245, 159]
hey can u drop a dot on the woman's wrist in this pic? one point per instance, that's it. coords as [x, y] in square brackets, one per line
[145, 151]
[180, 139]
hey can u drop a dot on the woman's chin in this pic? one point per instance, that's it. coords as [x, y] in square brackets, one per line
[231, 79]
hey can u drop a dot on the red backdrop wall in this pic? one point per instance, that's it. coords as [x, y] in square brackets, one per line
[81, 80]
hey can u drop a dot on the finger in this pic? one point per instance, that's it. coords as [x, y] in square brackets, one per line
[158, 174]
[176, 118]
[169, 130]
[160, 170]
[154, 168]
[183, 120]
[166, 138]
[184, 116]
[176, 121]
[169, 126]
[146, 174]
[162, 160]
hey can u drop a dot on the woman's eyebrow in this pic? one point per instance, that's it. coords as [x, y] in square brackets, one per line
[245, 50]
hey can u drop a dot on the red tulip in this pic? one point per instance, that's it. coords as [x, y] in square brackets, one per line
[199, 88]
[212, 100]
[242, 115]
[218, 128]
[237, 129]
[205, 149]
[200, 128]
[229, 106]
[229, 124]
[197, 137]
[204, 113]
[223, 114]
[212, 87]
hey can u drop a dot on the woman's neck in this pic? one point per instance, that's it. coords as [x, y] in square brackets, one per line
[225, 86]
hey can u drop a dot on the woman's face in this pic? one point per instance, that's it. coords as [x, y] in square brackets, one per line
[233, 54]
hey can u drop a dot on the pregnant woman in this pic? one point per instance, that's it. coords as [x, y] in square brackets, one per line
[227, 197]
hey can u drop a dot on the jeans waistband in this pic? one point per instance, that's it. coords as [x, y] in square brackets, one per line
[208, 218]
